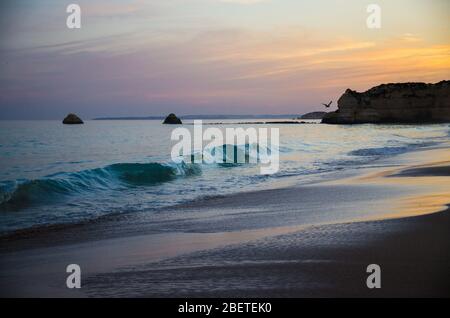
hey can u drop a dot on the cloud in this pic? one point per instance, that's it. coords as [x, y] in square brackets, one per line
[137, 58]
[221, 70]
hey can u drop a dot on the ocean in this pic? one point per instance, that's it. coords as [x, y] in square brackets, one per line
[53, 174]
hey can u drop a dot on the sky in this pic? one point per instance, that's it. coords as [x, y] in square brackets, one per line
[142, 58]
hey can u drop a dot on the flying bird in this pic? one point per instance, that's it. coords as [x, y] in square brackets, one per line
[328, 105]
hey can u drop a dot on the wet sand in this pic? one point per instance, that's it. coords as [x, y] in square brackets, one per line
[321, 261]
[306, 241]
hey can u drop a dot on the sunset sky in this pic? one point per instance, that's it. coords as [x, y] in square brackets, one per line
[138, 58]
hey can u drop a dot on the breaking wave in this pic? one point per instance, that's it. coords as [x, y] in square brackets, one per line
[113, 177]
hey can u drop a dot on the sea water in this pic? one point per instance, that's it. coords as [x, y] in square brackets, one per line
[58, 174]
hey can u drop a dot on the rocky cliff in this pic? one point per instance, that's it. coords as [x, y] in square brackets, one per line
[394, 103]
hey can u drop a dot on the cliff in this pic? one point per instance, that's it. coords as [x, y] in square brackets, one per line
[394, 103]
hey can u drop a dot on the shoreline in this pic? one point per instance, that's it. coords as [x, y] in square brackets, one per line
[232, 240]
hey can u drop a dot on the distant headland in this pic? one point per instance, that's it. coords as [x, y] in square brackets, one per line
[204, 117]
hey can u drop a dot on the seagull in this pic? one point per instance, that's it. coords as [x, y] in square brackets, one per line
[328, 105]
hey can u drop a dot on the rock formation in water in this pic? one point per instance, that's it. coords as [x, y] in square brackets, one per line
[313, 115]
[72, 119]
[172, 119]
[394, 103]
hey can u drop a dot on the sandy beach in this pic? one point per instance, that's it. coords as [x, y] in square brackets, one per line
[252, 247]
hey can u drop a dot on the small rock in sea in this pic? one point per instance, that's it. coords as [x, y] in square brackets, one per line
[172, 119]
[72, 119]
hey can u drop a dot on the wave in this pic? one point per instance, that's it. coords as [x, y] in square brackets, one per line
[228, 155]
[382, 151]
[113, 177]
[387, 151]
